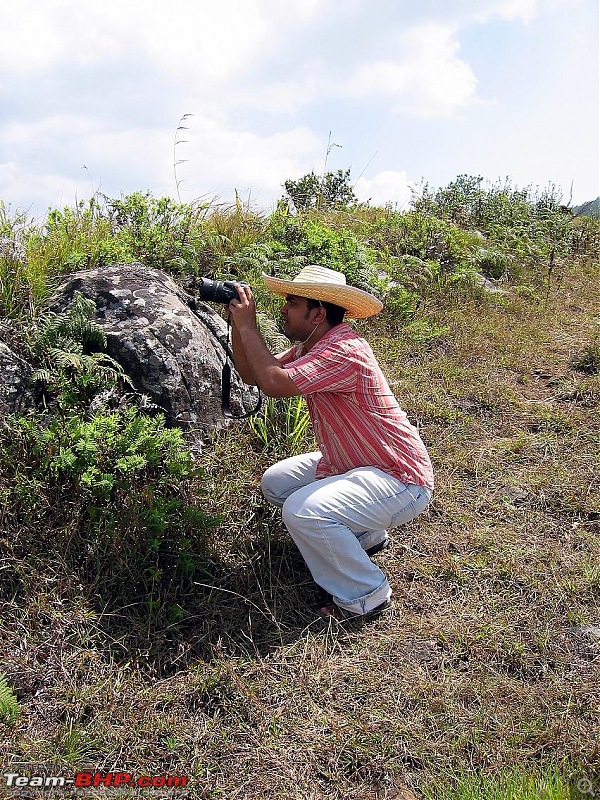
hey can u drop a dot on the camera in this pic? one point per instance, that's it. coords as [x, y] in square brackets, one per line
[218, 291]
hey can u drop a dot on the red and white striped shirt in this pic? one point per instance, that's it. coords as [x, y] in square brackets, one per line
[356, 419]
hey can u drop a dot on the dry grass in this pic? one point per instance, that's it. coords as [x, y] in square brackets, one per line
[488, 661]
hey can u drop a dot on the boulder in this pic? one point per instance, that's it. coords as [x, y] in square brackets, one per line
[170, 345]
[15, 391]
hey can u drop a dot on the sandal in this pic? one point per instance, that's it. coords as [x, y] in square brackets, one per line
[333, 611]
[377, 548]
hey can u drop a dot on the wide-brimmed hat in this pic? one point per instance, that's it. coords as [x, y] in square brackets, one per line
[329, 286]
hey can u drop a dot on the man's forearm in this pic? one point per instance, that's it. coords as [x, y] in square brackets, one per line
[266, 370]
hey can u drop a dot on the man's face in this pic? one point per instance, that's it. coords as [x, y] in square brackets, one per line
[298, 318]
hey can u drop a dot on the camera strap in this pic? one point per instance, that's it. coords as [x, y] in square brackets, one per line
[226, 385]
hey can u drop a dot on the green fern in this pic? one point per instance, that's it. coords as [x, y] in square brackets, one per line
[275, 340]
[73, 327]
[9, 706]
[68, 346]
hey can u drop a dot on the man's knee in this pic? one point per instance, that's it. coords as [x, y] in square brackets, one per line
[302, 516]
[269, 487]
[289, 512]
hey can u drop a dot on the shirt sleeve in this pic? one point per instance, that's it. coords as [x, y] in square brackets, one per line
[325, 370]
[287, 356]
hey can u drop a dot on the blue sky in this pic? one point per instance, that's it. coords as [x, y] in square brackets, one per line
[91, 95]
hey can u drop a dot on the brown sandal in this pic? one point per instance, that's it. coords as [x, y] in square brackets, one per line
[333, 611]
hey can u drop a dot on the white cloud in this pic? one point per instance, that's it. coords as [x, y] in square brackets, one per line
[195, 39]
[103, 84]
[386, 187]
[31, 191]
[94, 155]
[524, 10]
[220, 160]
[427, 80]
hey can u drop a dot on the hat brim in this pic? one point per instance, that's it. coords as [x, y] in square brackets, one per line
[358, 303]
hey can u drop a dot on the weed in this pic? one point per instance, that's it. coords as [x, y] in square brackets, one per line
[282, 426]
[9, 706]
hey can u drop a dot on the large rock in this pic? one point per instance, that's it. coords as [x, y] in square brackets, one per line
[15, 392]
[171, 346]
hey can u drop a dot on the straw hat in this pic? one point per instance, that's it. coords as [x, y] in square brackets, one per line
[328, 285]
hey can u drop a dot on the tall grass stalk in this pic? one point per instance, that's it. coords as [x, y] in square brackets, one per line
[282, 425]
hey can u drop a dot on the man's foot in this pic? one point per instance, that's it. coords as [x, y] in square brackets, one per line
[377, 548]
[331, 610]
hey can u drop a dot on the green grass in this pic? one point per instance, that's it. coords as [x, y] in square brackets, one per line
[515, 784]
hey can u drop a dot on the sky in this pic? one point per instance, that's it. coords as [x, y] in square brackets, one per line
[201, 100]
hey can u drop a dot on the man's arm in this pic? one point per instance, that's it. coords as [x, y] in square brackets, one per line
[266, 371]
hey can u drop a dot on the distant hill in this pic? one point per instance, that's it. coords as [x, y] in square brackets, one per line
[589, 209]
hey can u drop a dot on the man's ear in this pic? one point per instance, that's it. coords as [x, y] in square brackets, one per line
[320, 314]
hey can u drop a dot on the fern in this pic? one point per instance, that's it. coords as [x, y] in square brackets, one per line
[75, 324]
[9, 706]
[68, 347]
[274, 339]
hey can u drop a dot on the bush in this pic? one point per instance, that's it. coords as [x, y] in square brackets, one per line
[305, 239]
[522, 226]
[311, 191]
[115, 498]
[159, 232]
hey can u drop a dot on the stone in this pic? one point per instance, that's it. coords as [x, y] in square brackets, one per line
[170, 345]
[15, 392]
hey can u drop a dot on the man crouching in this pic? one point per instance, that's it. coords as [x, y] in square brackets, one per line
[372, 472]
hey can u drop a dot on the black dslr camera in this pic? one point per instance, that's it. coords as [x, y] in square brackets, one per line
[218, 291]
[224, 292]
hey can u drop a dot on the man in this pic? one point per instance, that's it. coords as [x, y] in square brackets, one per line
[372, 471]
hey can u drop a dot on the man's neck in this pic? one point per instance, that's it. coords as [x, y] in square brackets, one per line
[318, 333]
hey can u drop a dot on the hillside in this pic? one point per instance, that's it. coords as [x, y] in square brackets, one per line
[166, 625]
[589, 209]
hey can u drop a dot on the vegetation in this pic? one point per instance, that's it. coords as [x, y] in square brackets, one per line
[589, 209]
[157, 619]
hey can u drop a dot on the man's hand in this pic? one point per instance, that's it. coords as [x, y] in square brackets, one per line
[253, 359]
[243, 310]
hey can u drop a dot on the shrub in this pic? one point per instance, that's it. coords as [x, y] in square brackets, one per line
[523, 226]
[320, 192]
[159, 232]
[305, 239]
[114, 497]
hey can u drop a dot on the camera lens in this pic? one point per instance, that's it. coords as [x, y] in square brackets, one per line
[217, 291]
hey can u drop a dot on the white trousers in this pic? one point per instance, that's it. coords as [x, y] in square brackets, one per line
[334, 520]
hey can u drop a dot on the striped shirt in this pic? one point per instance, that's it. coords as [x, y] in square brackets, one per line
[356, 419]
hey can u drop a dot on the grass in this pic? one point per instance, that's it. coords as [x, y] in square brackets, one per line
[513, 784]
[481, 684]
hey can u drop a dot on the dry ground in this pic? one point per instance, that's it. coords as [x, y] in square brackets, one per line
[490, 658]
